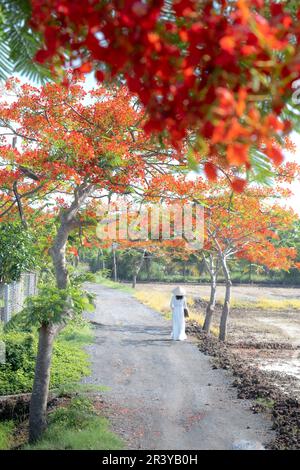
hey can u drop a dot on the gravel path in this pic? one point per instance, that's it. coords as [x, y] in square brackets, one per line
[163, 394]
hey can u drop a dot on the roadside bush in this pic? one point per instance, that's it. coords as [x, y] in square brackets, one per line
[77, 427]
[6, 431]
[70, 362]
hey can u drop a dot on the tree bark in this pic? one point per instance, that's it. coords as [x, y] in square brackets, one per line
[139, 267]
[226, 305]
[212, 268]
[47, 333]
[211, 305]
[115, 271]
[39, 397]
[100, 256]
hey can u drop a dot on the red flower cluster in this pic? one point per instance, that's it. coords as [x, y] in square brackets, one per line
[219, 70]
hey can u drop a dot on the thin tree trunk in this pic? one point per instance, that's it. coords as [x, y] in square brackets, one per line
[226, 305]
[38, 402]
[103, 260]
[47, 333]
[212, 269]
[211, 305]
[100, 255]
[115, 272]
[39, 397]
[139, 267]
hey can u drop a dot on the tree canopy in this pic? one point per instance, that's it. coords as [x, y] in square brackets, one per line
[215, 76]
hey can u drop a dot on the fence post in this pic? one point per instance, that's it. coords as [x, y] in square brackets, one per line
[6, 309]
[1, 302]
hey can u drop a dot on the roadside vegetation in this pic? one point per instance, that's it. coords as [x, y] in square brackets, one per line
[73, 423]
[6, 434]
[70, 360]
[77, 426]
[104, 280]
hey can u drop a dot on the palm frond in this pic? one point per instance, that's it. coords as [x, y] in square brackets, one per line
[18, 43]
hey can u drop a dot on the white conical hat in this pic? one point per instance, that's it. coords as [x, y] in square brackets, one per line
[179, 291]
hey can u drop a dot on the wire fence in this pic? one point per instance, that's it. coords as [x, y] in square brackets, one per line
[12, 295]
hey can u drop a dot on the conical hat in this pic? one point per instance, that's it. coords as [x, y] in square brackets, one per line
[179, 291]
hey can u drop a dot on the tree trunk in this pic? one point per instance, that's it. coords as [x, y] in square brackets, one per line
[148, 267]
[39, 397]
[115, 272]
[103, 260]
[139, 267]
[58, 255]
[226, 305]
[47, 333]
[211, 305]
[38, 403]
[212, 268]
[100, 256]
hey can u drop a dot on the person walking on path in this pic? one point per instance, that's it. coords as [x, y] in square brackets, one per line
[178, 306]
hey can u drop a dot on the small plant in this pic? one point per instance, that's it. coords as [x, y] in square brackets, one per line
[266, 403]
[114, 285]
[6, 431]
[77, 427]
[75, 388]
[70, 362]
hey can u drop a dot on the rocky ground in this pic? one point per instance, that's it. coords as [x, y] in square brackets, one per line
[267, 339]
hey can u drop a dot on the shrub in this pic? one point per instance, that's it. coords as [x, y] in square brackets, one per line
[69, 363]
[77, 427]
[6, 431]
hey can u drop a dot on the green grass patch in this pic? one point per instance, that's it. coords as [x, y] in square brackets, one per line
[99, 279]
[77, 427]
[266, 403]
[76, 388]
[69, 363]
[6, 432]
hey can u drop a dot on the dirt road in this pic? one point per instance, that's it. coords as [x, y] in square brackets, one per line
[163, 394]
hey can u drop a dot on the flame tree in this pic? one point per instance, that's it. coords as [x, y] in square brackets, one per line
[72, 148]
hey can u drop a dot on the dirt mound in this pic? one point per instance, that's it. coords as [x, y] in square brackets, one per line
[251, 383]
[16, 407]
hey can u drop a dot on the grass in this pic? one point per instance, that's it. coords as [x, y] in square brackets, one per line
[76, 388]
[112, 284]
[70, 361]
[6, 432]
[267, 304]
[160, 301]
[77, 427]
[266, 403]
